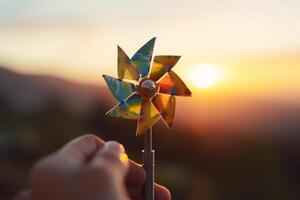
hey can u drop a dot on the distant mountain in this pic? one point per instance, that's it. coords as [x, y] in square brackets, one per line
[31, 92]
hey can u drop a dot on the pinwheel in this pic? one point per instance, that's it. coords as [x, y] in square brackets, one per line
[146, 97]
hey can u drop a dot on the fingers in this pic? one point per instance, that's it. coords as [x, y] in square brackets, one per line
[99, 169]
[83, 148]
[160, 192]
[136, 175]
[113, 156]
[60, 170]
[104, 175]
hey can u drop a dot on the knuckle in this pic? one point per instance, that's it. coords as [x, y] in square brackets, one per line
[117, 146]
[115, 143]
[90, 137]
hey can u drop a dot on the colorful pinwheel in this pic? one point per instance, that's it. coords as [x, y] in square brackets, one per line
[146, 96]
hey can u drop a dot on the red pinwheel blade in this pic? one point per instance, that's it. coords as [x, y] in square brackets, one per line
[129, 109]
[161, 65]
[148, 117]
[173, 85]
[165, 104]
[126, 69]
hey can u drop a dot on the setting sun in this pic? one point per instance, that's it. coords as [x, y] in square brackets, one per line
[204, 75]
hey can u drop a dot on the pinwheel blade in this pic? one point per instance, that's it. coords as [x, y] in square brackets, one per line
[126, 69]
[148, 117]
[165, 104]
[173, 85]
[161, 65]
[142, 58]
[120, 89]
[129, 109]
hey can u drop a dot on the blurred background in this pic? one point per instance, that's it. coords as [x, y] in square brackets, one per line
[236, 138]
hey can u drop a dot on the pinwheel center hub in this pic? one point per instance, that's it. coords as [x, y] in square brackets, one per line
[147, 88]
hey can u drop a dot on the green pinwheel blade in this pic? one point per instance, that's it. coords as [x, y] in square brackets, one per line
[142, 58]
[120, 89]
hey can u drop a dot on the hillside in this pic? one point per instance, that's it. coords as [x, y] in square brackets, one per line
[31, 92]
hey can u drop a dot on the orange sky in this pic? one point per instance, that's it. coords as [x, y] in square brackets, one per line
[256, 44]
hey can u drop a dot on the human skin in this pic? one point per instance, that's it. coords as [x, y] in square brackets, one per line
[88, 168]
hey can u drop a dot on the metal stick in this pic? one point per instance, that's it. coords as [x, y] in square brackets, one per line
[148, 157]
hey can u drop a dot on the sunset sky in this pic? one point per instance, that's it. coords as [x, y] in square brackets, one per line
[254, 45]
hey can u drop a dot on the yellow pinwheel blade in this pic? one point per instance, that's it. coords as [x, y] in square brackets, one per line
[161, 65]
[126, 69]
[165, 104]
[129, 109]
[173, 85]
[148, 117]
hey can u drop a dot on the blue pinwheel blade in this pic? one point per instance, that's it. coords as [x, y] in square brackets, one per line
[120, 89]
[129, 109]
[142, 58]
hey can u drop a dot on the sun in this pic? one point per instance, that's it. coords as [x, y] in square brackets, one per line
[205, 75]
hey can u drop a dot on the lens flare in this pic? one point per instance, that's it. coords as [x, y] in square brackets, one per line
[205, 75]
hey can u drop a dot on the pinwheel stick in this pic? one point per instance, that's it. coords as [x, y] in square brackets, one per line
[148, 157]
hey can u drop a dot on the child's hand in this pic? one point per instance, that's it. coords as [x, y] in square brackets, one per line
[87, 168]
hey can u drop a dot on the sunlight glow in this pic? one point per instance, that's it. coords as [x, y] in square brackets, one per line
[205, 75]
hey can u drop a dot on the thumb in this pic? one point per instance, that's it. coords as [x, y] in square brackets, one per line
[105, 174]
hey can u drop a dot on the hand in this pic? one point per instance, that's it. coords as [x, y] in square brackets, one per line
[89, 168]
